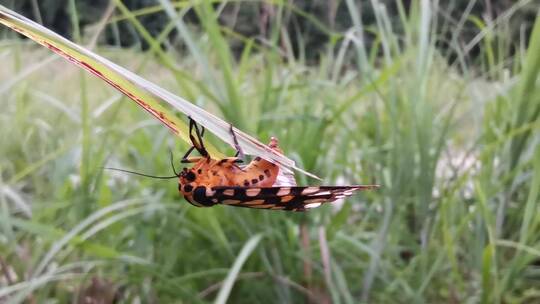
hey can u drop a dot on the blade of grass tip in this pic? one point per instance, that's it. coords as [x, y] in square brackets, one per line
[145, 93]
[248, 248]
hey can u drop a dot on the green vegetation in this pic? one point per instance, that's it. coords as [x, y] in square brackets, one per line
[452, 139]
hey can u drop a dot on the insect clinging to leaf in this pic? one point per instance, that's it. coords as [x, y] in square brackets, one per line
[261, 184]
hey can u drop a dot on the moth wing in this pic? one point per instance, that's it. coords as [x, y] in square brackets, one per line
[282, 198]
[285, 179]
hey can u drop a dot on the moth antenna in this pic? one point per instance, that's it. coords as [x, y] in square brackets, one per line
[172, 163]
[142, 174]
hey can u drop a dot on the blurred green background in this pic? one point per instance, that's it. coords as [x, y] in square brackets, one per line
[439, 102]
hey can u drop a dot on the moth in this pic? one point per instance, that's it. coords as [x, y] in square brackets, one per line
[260, 184]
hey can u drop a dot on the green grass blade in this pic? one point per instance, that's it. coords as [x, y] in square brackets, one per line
[528, 95]
[246, 251]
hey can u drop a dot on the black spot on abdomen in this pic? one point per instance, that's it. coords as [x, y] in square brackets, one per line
[199, 195]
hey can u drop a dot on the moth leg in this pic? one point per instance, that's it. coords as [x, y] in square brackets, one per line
[197, 144]
[229, 161]
[201, 142]
[187, 154]
[202, 131]
[239, 153]
[186, 160]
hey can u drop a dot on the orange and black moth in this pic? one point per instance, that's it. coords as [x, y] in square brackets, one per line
[260, 184]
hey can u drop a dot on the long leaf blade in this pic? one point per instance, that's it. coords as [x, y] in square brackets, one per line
[145, 93]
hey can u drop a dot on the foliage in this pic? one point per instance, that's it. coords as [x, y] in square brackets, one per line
[311, 23]
[453, 142]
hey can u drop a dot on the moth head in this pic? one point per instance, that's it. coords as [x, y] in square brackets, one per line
[187, 176]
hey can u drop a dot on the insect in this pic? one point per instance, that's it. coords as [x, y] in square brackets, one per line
[260, 184]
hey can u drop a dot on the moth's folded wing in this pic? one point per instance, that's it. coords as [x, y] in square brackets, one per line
[285, 179]
[283, 198]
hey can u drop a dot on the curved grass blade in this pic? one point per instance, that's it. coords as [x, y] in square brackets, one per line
[246, 251]
[145, 93]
